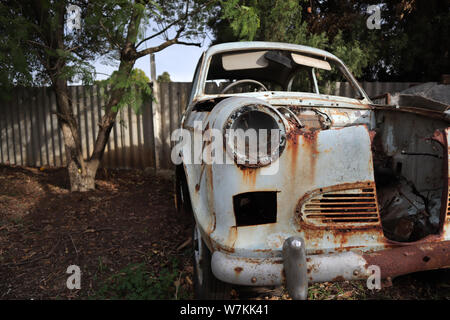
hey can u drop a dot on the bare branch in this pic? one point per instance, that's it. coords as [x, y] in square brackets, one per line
[165, 45]
[196, 44]
[160, 32]
[39, 44]
[73, 48]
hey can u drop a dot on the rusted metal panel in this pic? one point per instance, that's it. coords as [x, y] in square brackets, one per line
[409, 259]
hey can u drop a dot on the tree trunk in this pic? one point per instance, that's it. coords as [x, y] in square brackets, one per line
[107, 122]
[81, 172]
[81, 180]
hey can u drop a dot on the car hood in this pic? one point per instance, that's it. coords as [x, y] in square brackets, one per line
[296, 98]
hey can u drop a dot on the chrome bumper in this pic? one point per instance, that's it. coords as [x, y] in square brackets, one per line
[293, 272]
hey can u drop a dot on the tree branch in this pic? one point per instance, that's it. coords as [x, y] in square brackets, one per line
[108, 35]
[39, 44]
[165, 45]
[170, 25]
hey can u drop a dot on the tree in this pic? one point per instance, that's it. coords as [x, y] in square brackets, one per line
[286, 21]
[123, 25]
[414, 41]
[402, 46]
[164, 77]
[412, 44]
[42, 50]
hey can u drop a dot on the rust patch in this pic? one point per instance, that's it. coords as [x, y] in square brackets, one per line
[308, 134]
[248, 175]
[312, 268]
[213, 228]
[292, 148]
[338, 279]
[372, 134]
[238, 270]
[359, 104]
[211, 184]
[410, 258]
[308, 142]
[232, 237]
[439, 137]
[225, 249]
[209, 180]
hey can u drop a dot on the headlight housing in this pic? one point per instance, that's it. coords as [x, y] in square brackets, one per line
[254, 135]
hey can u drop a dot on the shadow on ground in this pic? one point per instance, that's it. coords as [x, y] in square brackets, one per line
[127, 221]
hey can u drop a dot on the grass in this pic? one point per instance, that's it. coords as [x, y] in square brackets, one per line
[136, 282]
[348, 290]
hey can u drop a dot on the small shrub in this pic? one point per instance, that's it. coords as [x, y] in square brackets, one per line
[135, 282]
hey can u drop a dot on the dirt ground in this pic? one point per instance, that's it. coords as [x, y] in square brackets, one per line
[128, 240]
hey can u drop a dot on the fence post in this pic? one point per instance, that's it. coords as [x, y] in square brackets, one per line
[157, 125]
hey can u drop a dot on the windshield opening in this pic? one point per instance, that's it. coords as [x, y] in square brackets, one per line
[276, 70]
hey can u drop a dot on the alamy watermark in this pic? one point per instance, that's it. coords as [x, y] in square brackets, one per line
[374, 20]
[251, 147]
[73, 17]
[374, 280]
[74, 280]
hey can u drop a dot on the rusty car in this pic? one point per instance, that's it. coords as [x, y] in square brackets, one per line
[357, 184]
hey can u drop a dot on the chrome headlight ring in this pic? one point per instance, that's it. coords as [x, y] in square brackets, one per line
[246, 123]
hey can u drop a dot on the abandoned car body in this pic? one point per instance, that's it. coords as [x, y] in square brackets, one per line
[356, 184]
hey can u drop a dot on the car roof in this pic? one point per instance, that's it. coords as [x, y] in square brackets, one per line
[249, 45]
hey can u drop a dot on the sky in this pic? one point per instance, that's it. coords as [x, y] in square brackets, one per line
[178, 60]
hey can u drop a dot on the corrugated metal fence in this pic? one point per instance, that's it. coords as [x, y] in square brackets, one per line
[29, 133]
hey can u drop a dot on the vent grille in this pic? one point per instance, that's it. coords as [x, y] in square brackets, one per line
[343, 208]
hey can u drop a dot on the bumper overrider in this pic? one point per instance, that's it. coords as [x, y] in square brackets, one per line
[295, 269]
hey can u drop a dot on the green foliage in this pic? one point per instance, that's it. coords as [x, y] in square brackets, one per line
[243, 19]
[136, 89]
[125, 24]
[135, 282]
[30, 51]
[283, 21]
[412, 44]
[164, 77]
[16, 64]
[355, 57]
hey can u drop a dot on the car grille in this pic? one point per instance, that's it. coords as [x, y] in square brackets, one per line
[342, 208]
